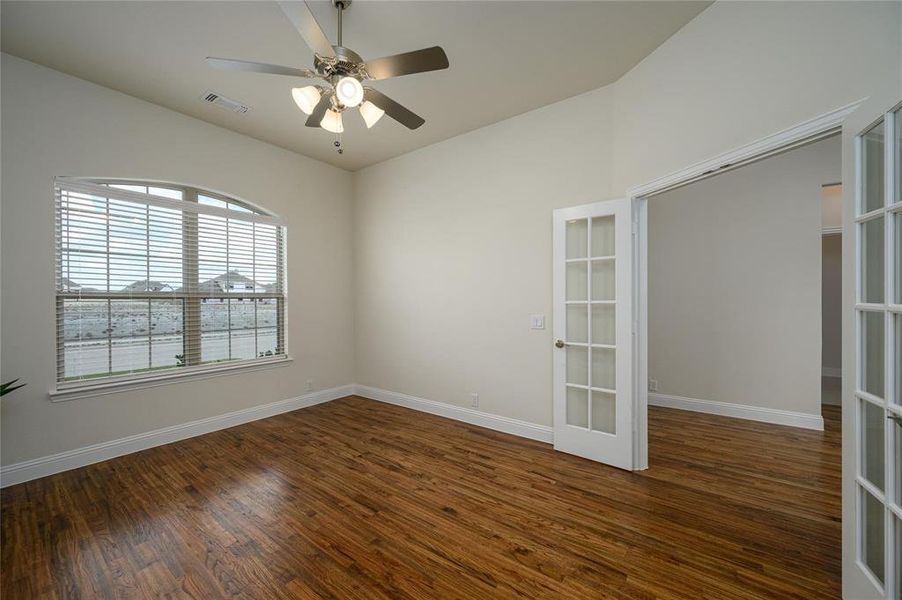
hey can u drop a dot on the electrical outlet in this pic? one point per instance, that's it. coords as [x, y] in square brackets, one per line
[652, 385]
[474, 400]
[309, 385]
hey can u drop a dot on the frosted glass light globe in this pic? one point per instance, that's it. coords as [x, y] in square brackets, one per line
[370, 113]
[306, 98]
[332, 121]
[349, 92]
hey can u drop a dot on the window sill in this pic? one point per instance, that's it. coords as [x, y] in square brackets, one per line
[86, 390]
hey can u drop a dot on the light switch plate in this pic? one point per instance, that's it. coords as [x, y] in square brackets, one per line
[537, 321]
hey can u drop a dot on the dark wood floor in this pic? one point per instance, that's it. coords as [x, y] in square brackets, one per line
[354, 498]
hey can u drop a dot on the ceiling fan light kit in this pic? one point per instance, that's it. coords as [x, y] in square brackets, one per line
[344, 73]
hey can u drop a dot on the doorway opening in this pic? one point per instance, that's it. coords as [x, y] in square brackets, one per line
[738, 336]
[735, 295]
[804, 134]
[872, 151]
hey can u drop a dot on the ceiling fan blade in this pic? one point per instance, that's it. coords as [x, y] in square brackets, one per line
[300, 16]
[228, 64]
[418, 61]
[394, 110]
[319, 111]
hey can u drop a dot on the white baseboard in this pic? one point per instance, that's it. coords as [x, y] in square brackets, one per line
[80, 457]
[525, 429]
[831, 372]
[739, 411]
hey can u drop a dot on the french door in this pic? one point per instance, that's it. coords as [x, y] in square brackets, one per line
[878, 372]
[593, 412]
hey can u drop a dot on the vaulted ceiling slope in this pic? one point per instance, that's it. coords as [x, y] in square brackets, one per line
[507, 57]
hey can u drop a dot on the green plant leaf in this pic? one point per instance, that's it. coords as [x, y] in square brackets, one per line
[9, 386]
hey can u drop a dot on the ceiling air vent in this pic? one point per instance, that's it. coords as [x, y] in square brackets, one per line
[223, 102]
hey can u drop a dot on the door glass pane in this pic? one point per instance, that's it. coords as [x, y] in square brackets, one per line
[603, 331]
[604, 412]
[603, 236]
[872, 533]
[872, 261]
[898, 530]
[872, 165]
[872, 327]
[898, 178]
[603, 368]
[577, 238]
[576, 281]
[872, 420]
[897, 252]
[577, 407]
[897, 453]
[577, 323]
[603, 280]
[897, 351]
[577, 365]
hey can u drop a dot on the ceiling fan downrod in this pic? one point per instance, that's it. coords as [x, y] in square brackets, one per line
[340, 6]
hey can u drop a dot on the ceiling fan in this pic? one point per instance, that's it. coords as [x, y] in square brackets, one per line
[344, 73]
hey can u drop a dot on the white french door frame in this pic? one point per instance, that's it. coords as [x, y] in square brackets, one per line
[804, 133]
[889, 310]
[609, 446]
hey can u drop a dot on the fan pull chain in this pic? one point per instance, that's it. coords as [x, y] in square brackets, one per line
[337, 143]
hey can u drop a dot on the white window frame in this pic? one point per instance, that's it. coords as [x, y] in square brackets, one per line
[68, 390]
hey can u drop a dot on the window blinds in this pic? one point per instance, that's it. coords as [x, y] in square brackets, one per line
[151, 278]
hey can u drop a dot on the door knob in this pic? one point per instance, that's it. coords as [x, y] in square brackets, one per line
[559, 344]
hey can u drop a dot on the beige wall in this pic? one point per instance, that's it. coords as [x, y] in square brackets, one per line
[743, 70]
[453, 253]
[453, 240]
[734, 283]
[831, 285]
[54, 124]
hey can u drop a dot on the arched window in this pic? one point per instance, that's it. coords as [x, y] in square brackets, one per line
[155, 279]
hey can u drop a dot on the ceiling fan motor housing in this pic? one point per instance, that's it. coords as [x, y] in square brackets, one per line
[346, 63]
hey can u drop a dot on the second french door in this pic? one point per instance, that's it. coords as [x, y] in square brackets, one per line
[877, 394]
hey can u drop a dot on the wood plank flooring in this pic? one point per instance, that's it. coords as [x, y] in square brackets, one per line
[358, 499]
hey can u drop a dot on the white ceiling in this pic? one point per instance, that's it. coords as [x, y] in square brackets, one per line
[507, 57]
